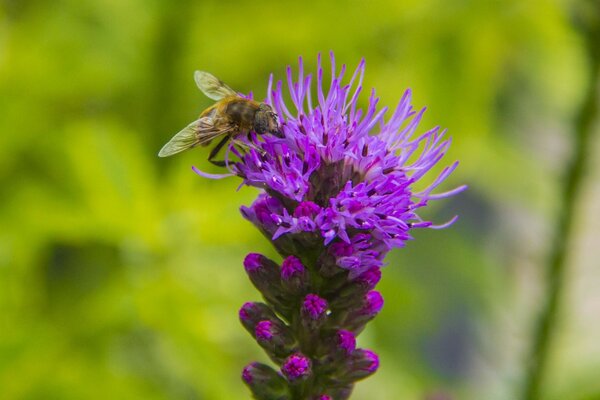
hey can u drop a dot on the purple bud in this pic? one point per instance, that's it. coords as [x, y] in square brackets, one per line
[372, 303]
[264, 381]
[264, 330]
[307, 209]
[246, 311]
[314, 307]
[274, 336]
[369, 360]
[253, 262]
[264, 274]
[252, 313]
[345, 341]
[325, 397]
[370, 278]
[247, 375]
[291, 267]
[359, 365]
[295, 367]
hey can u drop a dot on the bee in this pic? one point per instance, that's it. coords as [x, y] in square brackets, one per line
[230, 117]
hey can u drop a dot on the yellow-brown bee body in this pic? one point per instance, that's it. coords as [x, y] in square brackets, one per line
[229, 117]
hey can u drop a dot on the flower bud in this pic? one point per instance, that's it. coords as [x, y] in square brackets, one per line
[294, 276]
[314, 311]
[352, 293]
[296, 367]
[264, 382]
[371, 304]
[264, 274]
[369, 279]
[265, 331]
[252, 313]
[361, 364]
[275, 337]
[345, 341]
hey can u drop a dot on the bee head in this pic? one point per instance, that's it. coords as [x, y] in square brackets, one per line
[265, 121]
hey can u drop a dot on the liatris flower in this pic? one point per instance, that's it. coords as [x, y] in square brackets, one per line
[337, 196]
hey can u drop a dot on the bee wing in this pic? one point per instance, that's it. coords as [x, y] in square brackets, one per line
[183, 140]
[198, 132]
[212, 86]
[208, 130]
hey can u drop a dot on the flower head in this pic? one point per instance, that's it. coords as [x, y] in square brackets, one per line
[342, 174]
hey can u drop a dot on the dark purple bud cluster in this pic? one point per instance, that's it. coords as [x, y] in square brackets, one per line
[311, 340]
[337, 196]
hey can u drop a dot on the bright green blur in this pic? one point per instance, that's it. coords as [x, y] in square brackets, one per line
[121, 273]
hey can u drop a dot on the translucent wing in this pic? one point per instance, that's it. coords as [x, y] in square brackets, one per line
[199, 132]
[183, 140]
[209, 129]
[212, 87]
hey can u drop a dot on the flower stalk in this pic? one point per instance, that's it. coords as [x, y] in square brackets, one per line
[336, 198]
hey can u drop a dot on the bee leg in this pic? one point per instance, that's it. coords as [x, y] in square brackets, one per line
[215, 151]
[248, 146]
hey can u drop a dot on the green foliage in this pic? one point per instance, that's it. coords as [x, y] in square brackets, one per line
[120, 273]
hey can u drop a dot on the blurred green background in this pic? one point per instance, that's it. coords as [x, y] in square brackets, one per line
[121, 273]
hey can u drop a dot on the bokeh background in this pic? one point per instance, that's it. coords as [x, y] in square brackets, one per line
[121, 273]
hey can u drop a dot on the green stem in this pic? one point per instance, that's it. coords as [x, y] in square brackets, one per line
[574, 174]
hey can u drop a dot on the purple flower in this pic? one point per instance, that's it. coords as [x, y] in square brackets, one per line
[344, 180]
[338, 193]
[296, 366]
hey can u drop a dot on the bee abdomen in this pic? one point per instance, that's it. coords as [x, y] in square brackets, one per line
[242, 112]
